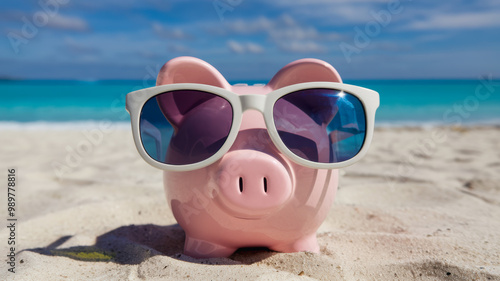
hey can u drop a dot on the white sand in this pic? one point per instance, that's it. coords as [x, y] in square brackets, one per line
[424, 204]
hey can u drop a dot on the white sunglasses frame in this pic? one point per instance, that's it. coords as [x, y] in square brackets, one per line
[263, 103]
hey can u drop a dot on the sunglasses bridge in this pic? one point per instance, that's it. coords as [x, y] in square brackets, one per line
[257, 102]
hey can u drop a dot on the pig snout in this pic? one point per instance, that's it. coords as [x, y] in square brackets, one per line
[253, 184]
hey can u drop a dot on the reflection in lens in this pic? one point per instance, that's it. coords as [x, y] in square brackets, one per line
[321, 125]
[185, 126]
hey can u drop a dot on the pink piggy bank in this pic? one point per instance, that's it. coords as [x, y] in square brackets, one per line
[236, 177]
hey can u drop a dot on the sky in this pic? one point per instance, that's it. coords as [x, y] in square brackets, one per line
[249, 39]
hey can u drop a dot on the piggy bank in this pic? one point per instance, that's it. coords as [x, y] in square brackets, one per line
[251, 165]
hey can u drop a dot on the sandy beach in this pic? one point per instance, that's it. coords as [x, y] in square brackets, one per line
[424, 204]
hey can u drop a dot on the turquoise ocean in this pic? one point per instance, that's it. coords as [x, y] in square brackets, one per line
[402, 102]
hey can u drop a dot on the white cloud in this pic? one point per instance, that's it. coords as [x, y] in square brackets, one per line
[254, 48]
[300, 33]
[333, 12]
[169, 33]
[282, 28]
[242, 48]
[42, 18]
[247, 27]
[344, 14]
[235, 47]
[284, 31]
[69, 23]
[458, 21]
[302, 47]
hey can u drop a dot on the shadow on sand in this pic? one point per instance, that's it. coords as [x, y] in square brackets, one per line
[133, 244]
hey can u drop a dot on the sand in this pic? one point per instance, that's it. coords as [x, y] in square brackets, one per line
[424, 204]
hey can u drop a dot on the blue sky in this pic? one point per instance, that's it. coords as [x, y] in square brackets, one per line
[249, 39]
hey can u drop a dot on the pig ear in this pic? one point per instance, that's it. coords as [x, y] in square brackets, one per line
[186, 70]
[304, 70]
[190, 70]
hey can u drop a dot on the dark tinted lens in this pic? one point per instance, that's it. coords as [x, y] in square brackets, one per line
[321, 125]
[184, 127]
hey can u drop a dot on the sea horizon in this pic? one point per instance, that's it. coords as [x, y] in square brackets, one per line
[403, 102]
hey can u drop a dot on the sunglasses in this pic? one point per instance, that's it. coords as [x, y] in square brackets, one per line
[183, 127]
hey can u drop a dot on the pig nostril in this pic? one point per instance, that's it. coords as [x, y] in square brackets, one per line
[265, 185]
[241, 184]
